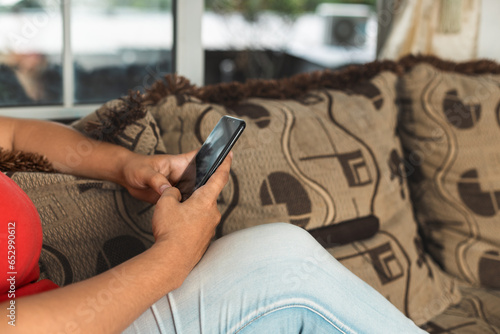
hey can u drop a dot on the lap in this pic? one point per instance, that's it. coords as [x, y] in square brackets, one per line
[252, 280]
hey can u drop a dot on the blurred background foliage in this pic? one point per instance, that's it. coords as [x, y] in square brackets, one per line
[251, 8]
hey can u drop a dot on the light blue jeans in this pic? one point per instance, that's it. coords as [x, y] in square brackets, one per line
[272, 278]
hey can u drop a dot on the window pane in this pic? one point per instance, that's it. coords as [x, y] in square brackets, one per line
[30, 52]
[279, 38]
[119, 45]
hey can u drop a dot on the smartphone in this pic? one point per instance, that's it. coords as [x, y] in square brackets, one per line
[211, 154]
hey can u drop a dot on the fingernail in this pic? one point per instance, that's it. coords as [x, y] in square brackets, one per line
[163, 187]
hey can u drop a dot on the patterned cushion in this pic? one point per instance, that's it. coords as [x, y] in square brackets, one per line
[477, 312]
[90, 226]
[450, 127]
[328, 161]
[124, 122]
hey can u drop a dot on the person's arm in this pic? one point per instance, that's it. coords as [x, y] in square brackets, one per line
[67, 149]
[71, 152]
[109, 302]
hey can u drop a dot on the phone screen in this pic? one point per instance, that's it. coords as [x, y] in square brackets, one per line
[211, 154]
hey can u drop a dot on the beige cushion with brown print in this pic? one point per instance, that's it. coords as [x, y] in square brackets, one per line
[478, 312]
[330, 162]
[450, 127]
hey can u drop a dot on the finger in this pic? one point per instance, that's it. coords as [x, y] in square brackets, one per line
[166, 162]
[218, 180]
[178, 165]
[172, 192]
[189, 155]
[182, 160]
[157, 181]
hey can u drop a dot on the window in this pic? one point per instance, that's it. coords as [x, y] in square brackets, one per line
[119, 45]
[31, 53]
[279, 38]
[62, 58]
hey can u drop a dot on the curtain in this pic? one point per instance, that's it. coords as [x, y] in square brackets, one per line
[444, 28]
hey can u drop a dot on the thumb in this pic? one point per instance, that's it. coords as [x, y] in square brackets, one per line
[158, 182]
[172, 192]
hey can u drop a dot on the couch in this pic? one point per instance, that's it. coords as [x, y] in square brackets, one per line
[392, 166]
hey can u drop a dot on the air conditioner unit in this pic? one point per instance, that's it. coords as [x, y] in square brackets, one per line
[346, 24]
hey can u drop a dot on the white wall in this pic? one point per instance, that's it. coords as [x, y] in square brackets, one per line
[489, 30]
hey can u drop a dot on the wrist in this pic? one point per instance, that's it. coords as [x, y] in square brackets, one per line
[116, 173]
[170, 258]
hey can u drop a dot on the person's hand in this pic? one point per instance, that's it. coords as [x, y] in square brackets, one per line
[147, 176]
[188, 227]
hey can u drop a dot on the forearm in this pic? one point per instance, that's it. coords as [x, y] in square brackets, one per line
[68, 150]
[106, 303]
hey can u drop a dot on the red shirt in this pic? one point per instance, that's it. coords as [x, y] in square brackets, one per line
[20, 243]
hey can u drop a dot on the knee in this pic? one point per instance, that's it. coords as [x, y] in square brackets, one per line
[291, 255]
[276, 244]
[285, 233]
[285, 237]
[286, 253]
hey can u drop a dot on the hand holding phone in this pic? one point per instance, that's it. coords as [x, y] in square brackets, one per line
[211, 154]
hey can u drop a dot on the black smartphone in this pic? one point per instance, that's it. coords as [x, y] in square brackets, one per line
[211, 154]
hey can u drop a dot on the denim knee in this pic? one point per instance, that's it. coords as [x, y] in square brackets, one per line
[285, 235]
[290, 250]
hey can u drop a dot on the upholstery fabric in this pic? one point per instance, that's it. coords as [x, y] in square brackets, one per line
[88, 226]
[330, 162]
[450, 127]
[477, 312]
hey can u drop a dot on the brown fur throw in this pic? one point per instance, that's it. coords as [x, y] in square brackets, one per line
[17, 161]
[173, 85]
[228, 94]
[473, 67]
[114, 120]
